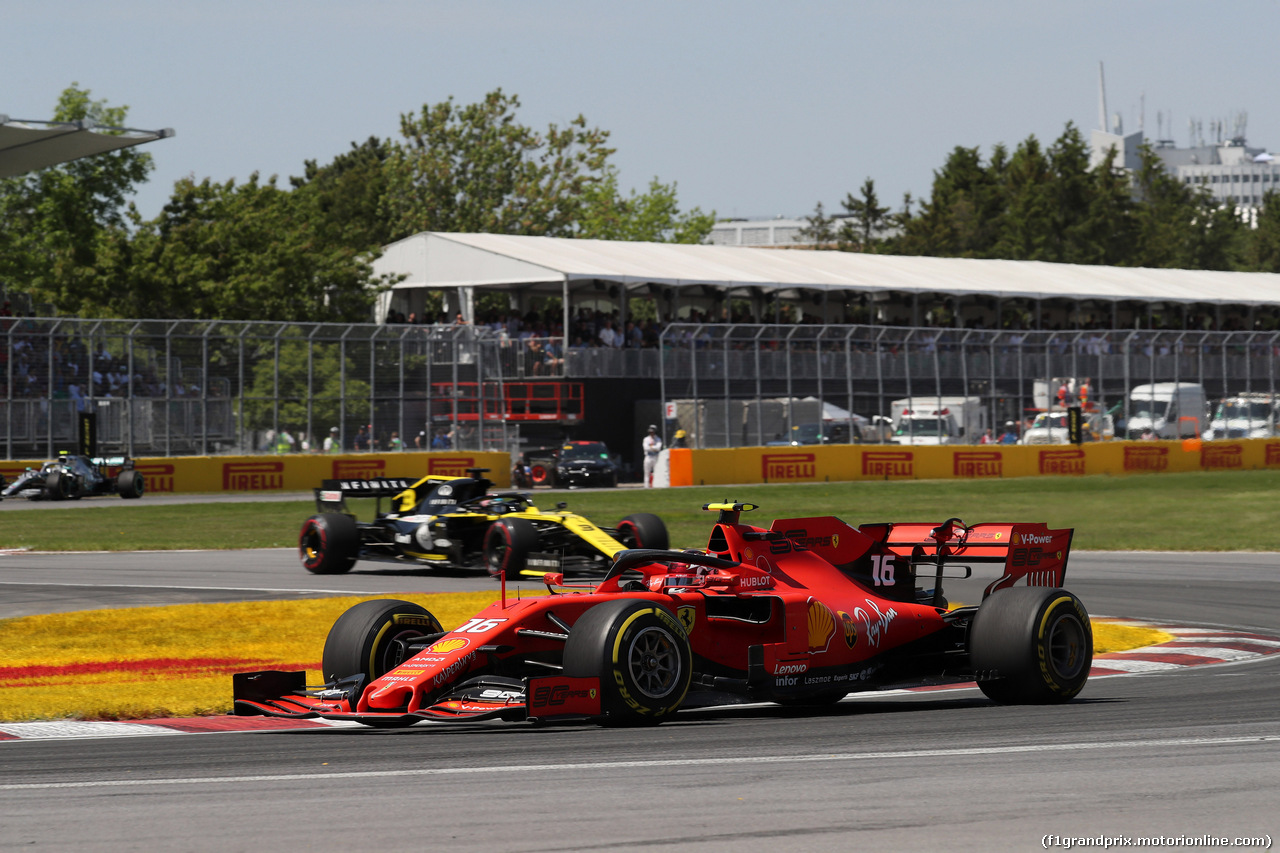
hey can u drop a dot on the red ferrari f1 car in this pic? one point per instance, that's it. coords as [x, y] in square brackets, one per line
[805, 612]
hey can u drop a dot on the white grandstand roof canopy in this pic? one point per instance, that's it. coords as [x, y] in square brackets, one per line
[436, 260]
[29, 145]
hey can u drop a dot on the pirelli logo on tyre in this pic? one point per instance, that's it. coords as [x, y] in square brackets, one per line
[158, 476]
[888, 463]
[1062, 461]
[358, 469]
[450, 466]
[1220, 456]
[1146, 459]
[789, 466]
[265, 476]
[978, 463]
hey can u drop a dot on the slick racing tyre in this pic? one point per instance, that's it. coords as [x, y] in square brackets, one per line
[643, 530]
[507, 544]
[1031, 646]
[641, 654]
[130, 484]
[371, 639]
[329, 543]
[58, 486]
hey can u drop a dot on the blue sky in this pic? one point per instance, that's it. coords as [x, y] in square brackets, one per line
[753, 108]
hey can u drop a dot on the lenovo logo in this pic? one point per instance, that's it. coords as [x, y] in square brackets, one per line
[789, 466]
[984, 463]
[1062, 461]
[888, 463]
[252, 476]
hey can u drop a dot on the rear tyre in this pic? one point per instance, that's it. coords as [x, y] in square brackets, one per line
[329, 543]
[507, 544]
[643, 530]
[1031, 646]
[641, 654]
[542, 474]
[58, 486]
[130, 484]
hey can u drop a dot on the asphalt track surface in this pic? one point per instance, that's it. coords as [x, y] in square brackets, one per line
[1191, 753]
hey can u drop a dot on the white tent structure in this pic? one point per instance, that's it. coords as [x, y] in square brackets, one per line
[460, 263]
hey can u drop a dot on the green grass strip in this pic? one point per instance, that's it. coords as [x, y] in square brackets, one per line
[1208, 511]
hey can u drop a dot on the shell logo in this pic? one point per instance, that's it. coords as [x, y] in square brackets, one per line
[1014, 539]
[451, 644]
[822, 627]
[750, 555]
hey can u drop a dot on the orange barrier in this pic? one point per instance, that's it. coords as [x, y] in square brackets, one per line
[296, 471]
[828, 463]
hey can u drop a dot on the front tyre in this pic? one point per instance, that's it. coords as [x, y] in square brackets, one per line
[372, 638]
[1031, 646]
[641, 654]
[329, 543]
[58, 486]
[643, 530]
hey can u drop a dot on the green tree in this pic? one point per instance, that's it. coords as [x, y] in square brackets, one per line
[347, 195]
[819, 228]
[323, 394]
[867, 218]
[248, 251]
[475, 168]
[57, 223]
[1180, 226]
[962, 217]
[1262, 251]
[653, 217]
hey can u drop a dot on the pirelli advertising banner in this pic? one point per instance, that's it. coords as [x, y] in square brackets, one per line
[296, 472]
[901, 462]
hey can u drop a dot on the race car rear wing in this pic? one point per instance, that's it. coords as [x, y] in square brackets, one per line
[332, 494]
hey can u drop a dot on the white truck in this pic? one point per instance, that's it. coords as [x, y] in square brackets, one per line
[1051, 428]
[938, 420]
[1250, 415]
[1167, 410]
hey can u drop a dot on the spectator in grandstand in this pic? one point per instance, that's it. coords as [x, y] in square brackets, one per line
[362, 439]
[333, 444]
[394, 443]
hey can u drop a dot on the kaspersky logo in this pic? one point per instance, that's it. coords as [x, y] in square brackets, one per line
[450, 466]
[789, 466]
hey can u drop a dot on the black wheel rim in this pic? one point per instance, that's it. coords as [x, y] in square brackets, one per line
[1067, 646]
[654, 663]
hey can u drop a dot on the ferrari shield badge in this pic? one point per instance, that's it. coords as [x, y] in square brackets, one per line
[688, 615]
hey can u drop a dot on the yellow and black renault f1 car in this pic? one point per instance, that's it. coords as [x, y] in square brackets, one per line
[457, 522]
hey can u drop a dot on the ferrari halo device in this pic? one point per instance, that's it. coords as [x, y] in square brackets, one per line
[804, 612]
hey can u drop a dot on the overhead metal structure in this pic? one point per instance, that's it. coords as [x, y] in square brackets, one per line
[29, 145]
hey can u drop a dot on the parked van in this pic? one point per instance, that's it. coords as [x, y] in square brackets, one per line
[1167, 410]
[1252, 415]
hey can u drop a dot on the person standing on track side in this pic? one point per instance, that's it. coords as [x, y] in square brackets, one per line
[652, 446]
